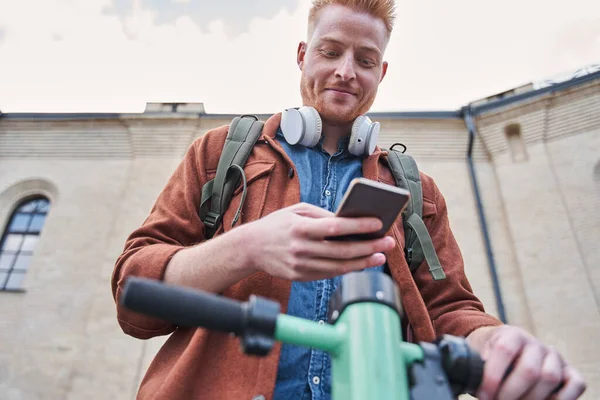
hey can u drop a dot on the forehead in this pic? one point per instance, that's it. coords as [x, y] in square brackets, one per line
[348, 26]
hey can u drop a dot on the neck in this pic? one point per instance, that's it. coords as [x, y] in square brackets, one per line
[332, 135]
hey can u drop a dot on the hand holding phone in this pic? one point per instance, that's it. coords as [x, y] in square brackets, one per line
[368, 198]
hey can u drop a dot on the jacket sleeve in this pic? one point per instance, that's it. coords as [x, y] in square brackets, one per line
[173, 224]
[453, 307]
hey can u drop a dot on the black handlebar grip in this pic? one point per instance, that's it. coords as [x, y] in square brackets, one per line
[462, 364]
[183, 306]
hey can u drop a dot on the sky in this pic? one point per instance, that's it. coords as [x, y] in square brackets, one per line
[239, 56]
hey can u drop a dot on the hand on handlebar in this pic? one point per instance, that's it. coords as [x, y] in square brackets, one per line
[518, 366]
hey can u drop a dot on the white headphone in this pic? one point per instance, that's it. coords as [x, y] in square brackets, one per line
[304, 126]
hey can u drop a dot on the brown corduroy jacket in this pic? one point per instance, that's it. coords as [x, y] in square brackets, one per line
[198, 364]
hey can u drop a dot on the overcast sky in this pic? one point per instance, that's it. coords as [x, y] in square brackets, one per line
[239, 56]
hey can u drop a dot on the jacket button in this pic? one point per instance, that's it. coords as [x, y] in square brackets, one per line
[291, 173]
[258, 397]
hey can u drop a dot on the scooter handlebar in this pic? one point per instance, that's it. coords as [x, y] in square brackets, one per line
[183, 306]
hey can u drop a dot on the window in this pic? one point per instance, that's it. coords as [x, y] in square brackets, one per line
[19, 241]
[516, 146]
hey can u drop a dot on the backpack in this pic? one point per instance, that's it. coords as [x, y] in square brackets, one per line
[243, 133]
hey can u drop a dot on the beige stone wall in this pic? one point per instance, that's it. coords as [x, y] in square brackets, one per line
[47, 332]
[551, 198]
[60, 338]
[575, 162]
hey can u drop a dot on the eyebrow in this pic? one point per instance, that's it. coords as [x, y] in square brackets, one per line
[340, 43]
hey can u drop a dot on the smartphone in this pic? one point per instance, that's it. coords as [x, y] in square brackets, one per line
[368, 198]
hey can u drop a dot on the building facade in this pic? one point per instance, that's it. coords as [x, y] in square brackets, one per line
[520, 173]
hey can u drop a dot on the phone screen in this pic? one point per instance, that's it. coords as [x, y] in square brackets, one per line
[368, 198]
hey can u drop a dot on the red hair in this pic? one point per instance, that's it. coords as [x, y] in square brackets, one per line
[383, 9]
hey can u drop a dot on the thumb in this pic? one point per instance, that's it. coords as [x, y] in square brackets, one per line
[308, 210]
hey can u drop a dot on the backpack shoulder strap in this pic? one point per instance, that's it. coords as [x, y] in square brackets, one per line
[243, 133]
[418, 244]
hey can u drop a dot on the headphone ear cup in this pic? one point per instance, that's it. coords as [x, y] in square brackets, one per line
[372, 138]
[363, 138]
[356, 145]
[313, 126]
[292, 126]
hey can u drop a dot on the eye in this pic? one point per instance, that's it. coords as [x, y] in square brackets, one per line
[329, 53]
[366, 62]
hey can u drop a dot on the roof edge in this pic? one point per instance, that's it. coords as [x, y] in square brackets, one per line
[90, 116]
[477, 110]
[60, 116]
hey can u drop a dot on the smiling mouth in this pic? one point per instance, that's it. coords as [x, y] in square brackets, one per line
[341, 91]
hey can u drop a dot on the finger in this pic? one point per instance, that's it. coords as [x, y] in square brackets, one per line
[341, 250]
[525, 374]
[498, 358]
[312, 269]
[312, 211]
[322, 228]
[550, 377]
[574, 385]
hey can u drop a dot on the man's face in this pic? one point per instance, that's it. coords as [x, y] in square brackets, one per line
[342, 63]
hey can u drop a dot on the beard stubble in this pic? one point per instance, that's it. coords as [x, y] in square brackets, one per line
[312, 99]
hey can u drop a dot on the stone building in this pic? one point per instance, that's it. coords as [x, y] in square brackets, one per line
[520, 172]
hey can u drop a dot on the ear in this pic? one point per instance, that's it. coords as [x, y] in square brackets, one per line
[383, 70]
[300, 54]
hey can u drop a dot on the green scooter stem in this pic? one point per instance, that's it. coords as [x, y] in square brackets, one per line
[369, 358]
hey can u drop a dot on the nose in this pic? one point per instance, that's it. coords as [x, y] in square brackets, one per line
[345, 69]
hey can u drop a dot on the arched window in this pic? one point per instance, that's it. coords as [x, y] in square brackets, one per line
[19, 240]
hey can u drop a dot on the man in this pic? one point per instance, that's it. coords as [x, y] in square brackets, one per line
[278, 249]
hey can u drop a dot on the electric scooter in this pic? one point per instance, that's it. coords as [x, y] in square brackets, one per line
[370, 359]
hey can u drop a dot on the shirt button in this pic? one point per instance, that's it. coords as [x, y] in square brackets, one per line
[321, 322]
[327, 193]
[316, 380]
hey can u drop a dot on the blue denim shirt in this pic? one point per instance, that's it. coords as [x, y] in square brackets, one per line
[306, 373]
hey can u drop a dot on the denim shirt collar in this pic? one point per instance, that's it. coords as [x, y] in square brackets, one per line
[341, 152]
